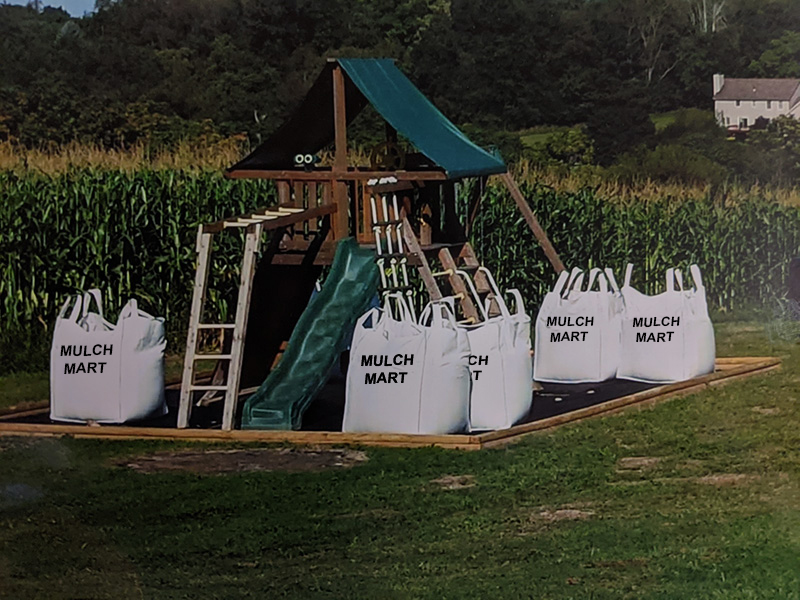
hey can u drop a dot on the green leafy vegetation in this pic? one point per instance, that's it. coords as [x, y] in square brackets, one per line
[130, 233]
[133, 234]
[743, 248]
[158, 72]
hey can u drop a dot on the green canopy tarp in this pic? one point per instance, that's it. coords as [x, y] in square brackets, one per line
[380, 83]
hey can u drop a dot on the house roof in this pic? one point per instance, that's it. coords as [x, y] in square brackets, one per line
[380, 83]
[757, 89]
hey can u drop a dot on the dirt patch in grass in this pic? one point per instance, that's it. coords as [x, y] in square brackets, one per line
[535, 520]
[564, 514]
[212, 462]
[714, 479]
[455, 482]
[763, 410]
[725, 479]
[637, 463]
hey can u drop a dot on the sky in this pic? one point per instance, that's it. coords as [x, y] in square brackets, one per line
[76, 8]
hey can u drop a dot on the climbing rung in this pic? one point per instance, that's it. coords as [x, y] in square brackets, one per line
[212, 357]
[241, 222]
[216, 326]
[446, 273]
[208, 388]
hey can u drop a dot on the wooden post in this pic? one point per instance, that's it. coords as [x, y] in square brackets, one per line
[251, 246]
[341, 227]
[196, 315]
[475, 201]
[284, 193]
[412, 247]
[533, 223]
[458, 286]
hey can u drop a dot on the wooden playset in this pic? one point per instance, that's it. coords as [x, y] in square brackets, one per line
[402, 207]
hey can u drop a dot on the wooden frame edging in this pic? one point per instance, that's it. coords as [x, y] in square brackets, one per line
[728, 370]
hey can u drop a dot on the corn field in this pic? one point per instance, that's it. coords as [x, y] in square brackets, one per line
[743, 248]
[132, 234]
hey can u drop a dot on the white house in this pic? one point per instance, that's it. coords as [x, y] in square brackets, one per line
[739, 102]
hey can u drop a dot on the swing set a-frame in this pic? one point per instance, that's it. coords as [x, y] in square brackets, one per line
[319, 206]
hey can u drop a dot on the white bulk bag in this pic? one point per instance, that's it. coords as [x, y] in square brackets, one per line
[407, 377]
[104, 372]
[142, 363]
[577, 331]
[84, 365]
[500, 363]
[668, 337]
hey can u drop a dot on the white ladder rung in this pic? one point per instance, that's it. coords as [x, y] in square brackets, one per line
[212, 357]
[216, 326]
[204, 388]
[268, 216]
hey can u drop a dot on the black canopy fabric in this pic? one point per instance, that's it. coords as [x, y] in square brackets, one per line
[379, 82]
[308, 130]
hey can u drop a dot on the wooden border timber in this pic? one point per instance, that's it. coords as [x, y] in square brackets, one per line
[728, 370]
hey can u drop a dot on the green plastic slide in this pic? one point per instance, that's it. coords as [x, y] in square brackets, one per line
[319, 338]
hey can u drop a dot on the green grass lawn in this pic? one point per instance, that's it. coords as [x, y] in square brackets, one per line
[698, 497]
[539, 135]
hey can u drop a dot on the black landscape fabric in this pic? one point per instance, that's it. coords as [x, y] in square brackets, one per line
[327, 410]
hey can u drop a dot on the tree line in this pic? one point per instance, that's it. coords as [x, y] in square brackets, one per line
[156, 71]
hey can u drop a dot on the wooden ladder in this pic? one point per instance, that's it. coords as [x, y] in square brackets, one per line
[465, 261]
[254, 225]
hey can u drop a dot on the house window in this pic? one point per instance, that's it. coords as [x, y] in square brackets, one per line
[742, 123]
[769, 103]
[738, 102]
[727, 120]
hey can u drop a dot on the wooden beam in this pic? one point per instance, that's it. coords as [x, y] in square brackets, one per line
[339, 121]
[251, 246]
[337, 438]
[351, 174]
[458, 286]
[476, 196]
[411, 243]
[284, 194]
[289, 219]
[203, 248]
[533, 223]
[341, 223]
